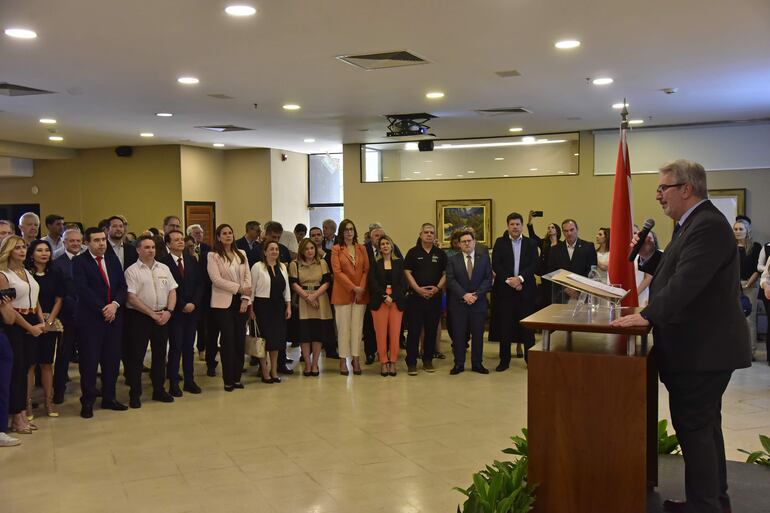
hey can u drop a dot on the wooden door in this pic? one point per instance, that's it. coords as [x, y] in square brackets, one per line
[203, 213]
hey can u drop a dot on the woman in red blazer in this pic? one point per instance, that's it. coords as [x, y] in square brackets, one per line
[350, 265]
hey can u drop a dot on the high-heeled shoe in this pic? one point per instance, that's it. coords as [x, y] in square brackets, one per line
[384, 370]
[275, 379]
[30, 415]
[50, 408]
[18, 425]
[267, 380]
[392, 370]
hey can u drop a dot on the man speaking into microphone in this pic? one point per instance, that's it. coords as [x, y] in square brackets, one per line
[699, 330]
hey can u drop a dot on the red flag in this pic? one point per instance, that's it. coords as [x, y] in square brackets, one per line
[621, 271]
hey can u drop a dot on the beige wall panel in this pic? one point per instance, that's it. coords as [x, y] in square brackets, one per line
[289, 188]
[246, 193]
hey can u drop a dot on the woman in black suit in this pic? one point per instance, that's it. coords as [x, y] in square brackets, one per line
[387, 288]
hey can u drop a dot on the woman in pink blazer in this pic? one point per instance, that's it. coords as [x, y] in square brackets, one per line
[350, 265]
[230, 298]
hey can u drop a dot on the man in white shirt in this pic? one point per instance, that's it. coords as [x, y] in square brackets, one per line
[151, 299]
[54, 223]
[116, 233]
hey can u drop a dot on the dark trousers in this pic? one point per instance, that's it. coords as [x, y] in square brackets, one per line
[232, 327]
[510, 330]
[6, 367]
[181, 335]
[18, 385]
[212, 337]
[695, 402]
[142, 329]
[64, 350]
[423, 314]
[100, 346]
[202, 328]
[465, 320]
[370, 337]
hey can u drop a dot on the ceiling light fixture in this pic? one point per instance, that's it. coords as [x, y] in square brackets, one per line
[240, 10]
[619, 105]
[163, 114]
[434, 95]
[471, 172]
[533, 169]
[147, 134]
[55, 138]
[291, 106]
[187, 80]
[516, 129]
[20, 33]
[499, 158]
[576, 154]
[636, 122]
[219, 145]
[603, 81]
[48, 121]
[309, 140]
[567, 44]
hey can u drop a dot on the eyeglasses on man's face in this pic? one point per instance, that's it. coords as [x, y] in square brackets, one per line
[664, 187]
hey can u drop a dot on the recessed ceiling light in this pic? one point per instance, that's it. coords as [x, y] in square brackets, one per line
[636, 122]
[187, 80]
[309, 140]
[528, 139]
[567, 44]
[576, 154]
[163, 114]
[147, 134]
[439, 174]
[219, 145]
[471, 172]
[55, 138]
[560, 172]
[48, 121]
[533, 169]
[506, 176]
[240, 10]
[385, 177]
[515, 129]
[20, 33]
[416, 172]
[603, 81]
[434, 95]
[619, 105]
[291, 106]
[499, 158]
[460, 176]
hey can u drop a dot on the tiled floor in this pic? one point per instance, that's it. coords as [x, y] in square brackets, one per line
[327, 444]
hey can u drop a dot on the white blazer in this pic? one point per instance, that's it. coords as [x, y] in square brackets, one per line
[260, 281]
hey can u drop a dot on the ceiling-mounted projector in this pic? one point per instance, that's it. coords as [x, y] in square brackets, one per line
[409, 126]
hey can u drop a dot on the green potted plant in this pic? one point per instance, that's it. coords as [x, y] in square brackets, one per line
[759, 457]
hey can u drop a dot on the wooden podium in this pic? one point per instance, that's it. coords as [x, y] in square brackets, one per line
[592, 413]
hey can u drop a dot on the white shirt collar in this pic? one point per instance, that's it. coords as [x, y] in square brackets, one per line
[142, 264]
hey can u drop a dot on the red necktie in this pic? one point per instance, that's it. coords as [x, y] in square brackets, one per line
[181, 266]
[104, 277]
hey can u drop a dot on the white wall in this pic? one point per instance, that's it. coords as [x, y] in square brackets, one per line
[288, 188]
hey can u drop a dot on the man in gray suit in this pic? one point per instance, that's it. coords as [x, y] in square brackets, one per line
[698, 328]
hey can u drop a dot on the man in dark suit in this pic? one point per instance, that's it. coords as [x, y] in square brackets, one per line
[101, 291]
[469, 278]
[573, 254]
[250, 243]
[73, 239]
[514, 261]
[206, 326]
[699, 329]
[184, 320]
[116, 243]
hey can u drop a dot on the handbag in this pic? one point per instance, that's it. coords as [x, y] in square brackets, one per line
[255, 346]
[745, 304]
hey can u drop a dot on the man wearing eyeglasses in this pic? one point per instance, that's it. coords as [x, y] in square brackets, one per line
[699, 330]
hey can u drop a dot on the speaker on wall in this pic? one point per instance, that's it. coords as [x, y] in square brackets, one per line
[124, 151]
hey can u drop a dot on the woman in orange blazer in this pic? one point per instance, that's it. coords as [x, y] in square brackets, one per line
[230, 276]
[350, 265]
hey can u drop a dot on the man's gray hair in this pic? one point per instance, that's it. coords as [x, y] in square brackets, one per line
[688, 171]
[330, 222]
[68, 231]
[25, 215]
[375, 226]
[192, 227]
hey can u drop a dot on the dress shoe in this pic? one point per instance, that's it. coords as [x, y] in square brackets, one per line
[162, 396]
[285, 370]
[411, 370]
[175, 391]
[58, 397]
[314, 373]
[676, 506]
[211, 372]
[501, 367]
[275, 379]
[86, 411]
[480, 369]
[238, 385]
[134, 402]
[192, 387]
[307, 373]
[229, 388]
[267, 380]
[113, 405]
[369, 359]
[456, 370]
[428, 367]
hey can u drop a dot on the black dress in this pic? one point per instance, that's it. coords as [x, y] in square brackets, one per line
[51, 287]
[271, 312]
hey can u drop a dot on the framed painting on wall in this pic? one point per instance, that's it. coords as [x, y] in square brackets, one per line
[731, 202]
[454, 215]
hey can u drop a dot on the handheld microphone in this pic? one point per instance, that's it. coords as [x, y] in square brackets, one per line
[648, 225]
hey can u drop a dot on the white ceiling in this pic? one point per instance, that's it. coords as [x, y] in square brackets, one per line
[114, 64]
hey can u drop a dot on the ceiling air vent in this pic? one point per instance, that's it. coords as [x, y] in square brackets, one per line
[508, 74]
[220, 96]
[223, 128]
[17, 90]
[503, 112]
[383, 60]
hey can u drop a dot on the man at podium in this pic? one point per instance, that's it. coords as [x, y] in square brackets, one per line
[699, 331]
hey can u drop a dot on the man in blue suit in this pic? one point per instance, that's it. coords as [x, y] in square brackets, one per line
[469, 278]
[73, 240]
[101, 291]
[184, 320]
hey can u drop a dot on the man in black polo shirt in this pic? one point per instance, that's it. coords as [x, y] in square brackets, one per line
[424, 266]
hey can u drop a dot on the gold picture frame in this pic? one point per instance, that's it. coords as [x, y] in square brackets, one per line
[731, 202]
[453, 215]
